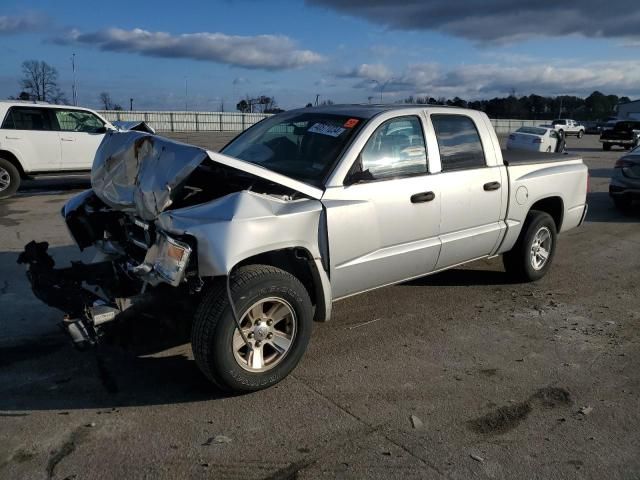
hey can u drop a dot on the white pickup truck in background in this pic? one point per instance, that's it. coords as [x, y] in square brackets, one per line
[567, 127]
[303, 209]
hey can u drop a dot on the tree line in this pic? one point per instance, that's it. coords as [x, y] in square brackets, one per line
[596, 106]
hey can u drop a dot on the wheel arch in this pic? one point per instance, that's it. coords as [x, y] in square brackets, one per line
[10, 157]
[299, 262]
[554, 206]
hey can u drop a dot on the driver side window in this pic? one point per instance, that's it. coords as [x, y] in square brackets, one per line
[78, 121]
[396, 149]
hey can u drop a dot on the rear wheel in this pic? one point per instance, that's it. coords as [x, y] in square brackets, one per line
[275, 314]
[531, 256]
[580, 133]
[9, 178]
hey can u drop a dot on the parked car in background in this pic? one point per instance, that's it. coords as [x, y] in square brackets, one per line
[594, 128]
[625, 133]
[45, 139]
[625, 181]
[568, 127]
[305, 208]
[538, 139]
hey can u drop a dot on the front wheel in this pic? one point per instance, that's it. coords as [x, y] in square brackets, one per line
[9, 178]
[580, 133]
[275, 315]
[531, 256]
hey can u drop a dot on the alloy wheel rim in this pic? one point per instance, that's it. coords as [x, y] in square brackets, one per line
[541, 248]
[270, 327]
[5, 179]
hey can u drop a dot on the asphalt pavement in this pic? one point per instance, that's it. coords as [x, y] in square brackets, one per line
[459, 375]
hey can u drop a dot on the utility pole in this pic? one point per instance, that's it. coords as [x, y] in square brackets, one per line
[74, 91]
[317, 97]
[560, 113]
[131, 104]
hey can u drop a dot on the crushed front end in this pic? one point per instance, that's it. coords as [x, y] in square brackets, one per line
[162, 219]
[134, 266]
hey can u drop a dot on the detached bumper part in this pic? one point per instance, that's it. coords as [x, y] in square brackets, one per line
[63, 288]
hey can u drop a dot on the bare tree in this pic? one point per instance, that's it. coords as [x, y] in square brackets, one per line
[40, 81]
[105, 100]
[107, 103]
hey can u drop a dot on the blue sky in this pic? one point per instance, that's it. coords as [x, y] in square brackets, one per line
[345, 50]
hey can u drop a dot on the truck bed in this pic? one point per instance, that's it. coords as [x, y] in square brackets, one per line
[525, 157]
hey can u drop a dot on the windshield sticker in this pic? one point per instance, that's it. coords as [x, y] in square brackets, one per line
[324, 129]
[352, 122]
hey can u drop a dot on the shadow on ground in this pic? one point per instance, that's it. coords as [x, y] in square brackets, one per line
[602, 209]
[146, 361]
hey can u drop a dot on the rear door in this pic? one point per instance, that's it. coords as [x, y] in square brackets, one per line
[28, 132]
[383, 223]
[471, 190]
[80, 135]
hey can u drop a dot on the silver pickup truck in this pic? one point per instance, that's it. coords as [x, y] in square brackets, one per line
[303, 209]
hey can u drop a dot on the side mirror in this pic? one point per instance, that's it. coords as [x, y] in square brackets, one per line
[357, 177]
[100, 130]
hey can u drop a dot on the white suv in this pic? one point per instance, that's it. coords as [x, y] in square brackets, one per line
[39, 138]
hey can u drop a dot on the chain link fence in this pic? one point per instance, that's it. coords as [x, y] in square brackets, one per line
[237, 122]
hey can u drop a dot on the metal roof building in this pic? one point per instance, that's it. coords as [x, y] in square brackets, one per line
[629, 110]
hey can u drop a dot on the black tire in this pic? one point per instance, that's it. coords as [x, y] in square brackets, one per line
[214, 327]
[8, 169]
[606, 147]
[518, 261]
[580, 133]
[622, 202]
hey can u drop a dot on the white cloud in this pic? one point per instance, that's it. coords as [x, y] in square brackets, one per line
[490, 79]
[269, 52]
[29, 22]
[367, 71]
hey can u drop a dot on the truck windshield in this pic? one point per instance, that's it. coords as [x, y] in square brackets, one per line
[300, 145]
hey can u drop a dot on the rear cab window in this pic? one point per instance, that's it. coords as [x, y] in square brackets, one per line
[458, 142]
[27, 118]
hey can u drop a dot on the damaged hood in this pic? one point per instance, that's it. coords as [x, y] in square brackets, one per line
[141, 173]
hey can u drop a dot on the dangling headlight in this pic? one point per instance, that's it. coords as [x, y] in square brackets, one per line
[172, 259]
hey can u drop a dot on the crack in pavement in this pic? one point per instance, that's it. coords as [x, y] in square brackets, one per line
[77, 436]
[370, 429]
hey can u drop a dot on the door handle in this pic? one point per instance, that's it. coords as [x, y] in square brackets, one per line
[12, 138]
[422, 197]
[66, 139]
[491, 186]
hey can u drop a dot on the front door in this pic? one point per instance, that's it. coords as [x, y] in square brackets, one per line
[383, 224]
[80, 135]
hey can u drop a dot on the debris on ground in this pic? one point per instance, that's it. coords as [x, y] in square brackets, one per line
[585, 410]
[416, 422]
[477, 458]
[217, 439]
